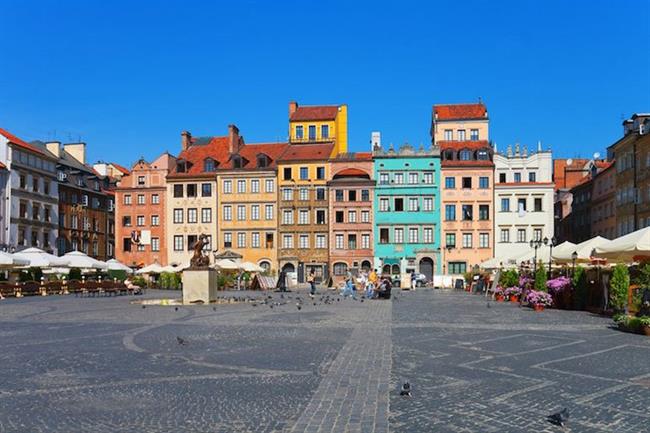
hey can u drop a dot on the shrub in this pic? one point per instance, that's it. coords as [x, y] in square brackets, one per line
[224, 281]
[643, 277]
[644, 320]
[559, 284]
[75, 274]
[170, 280]
[619, 285]
[579, 282]
[117, 273]
[513, 291]
[139, 281]
[509, 278]
[540, 278]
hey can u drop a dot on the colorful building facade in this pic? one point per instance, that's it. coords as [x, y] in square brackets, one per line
[407, 211]
[315, 124]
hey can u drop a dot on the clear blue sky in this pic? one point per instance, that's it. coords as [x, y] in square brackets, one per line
[128, 77]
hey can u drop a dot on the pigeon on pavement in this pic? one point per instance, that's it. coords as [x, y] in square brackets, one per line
[406, 390]
[559, 418]
[181, 341]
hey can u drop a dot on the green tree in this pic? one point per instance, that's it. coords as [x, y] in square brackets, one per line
[619, 285]
[509, 278]
[75, 274]
[540, 278]
[579, 283]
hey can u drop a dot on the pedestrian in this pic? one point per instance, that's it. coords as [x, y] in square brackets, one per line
[414, 280]
[311, 279]
[282, 281]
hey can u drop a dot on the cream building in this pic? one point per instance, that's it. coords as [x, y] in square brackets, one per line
[523, 200]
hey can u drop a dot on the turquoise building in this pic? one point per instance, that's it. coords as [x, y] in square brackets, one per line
[407, 211]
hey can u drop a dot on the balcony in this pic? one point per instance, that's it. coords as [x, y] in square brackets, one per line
[303, 140]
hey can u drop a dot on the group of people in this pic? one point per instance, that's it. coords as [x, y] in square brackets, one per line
[369, 284]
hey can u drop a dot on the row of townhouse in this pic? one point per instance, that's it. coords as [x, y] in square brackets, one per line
[310, 205]
[53, 200]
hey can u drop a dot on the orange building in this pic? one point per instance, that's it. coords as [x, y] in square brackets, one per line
[140, 213]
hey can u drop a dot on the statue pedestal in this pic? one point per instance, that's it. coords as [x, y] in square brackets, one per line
[199, 285]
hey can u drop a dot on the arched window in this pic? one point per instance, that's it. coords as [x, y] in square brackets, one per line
[209, 165]
[465, 155]
[385, 269]
[395, 269]
[340, 268]
[265, 265]
[483, 155]
[448, 155]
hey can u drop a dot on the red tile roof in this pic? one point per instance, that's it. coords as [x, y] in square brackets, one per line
[120, 168]
[602, 164]
[306, 152]
[215, 148]
[19, 142]
[459, 111]
[352, 172]
[460, 145]
[250, 151]
[314, 112]
[566, 176]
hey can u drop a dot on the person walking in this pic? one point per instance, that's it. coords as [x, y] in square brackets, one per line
[311, 279]
[282, 281]
[413, 280]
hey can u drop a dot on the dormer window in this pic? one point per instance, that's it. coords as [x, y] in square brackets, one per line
[262, 161]
[209, 165]
[237, 161]
[482, 155]
[181, 166]
[80, 181]
[465, 155]
[448, 155]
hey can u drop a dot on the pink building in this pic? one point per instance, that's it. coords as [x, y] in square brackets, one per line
[351, 217]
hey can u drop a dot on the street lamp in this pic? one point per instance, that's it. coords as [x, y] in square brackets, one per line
[537, 243]
[551, 243]
[448, 248]
[574, 257]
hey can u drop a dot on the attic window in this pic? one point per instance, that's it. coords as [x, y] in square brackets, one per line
[181, 167]
[209, 165]
[236, 161]
[465, 155]
[449, 155]
[262, 161]
[482, 155]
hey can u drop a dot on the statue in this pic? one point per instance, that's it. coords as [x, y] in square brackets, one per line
[200, 260]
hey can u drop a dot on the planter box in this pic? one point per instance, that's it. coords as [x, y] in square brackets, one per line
[514, 298]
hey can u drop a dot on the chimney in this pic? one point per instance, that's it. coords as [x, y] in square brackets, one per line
[77, 151]
[186, 140]
[234, 139]
[54, 147]
[293, 106]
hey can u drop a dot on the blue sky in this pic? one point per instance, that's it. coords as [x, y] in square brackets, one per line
[128, 77]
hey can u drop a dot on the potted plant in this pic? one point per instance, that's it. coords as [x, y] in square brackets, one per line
[560, 289]
[644, 321]
[619, 286]
[539, 300]
[513, 293]
[499, 294]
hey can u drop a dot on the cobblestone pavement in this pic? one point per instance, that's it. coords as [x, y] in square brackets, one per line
[105, 365]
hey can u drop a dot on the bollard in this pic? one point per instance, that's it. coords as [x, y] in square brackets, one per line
[64, 287]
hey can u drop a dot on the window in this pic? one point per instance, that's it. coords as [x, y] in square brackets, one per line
[321, 241]
[241, 240]
[155, 244]
[413, 178]
[428, 178]
[365, 241]
[505, 235]
[268, 212]
[352, 195]
[206, 190]
[537, 234]
[383, 236]
[457, 268]
[505, 205]
[241, 186]
[312, 132]
[304, 173]
[521, 235]
[383, 204]
[399, 178]
[352, 242]
[467, 240]
[208, 165]
[338, 242]
[338, 195]
[538, 204]
[427, 204]
[450, 240]
[483, 182]
[532, 176]
[192, 215]
[46, 213]
[467, 183]
[255, 212]
[269, 185]
[139, 220]
[23, 181]
[241, 212]
[483, 240]
[227, 240]
[46, 186]
[178, 243]
[473, 133]
[126, 221]
[255, 186]
[287, 216]
[255, 240]
[227, 186]
[461, 135]
[127, 199]
[155, 220]
[399, 204]
[320, 173]
[125, 241]
[303, 194]
[465, 155]
[427, 233]
[206, 215]
[383, 179]
[191, 190]
[320, 217]
[468, 211]
[365, 216]
[303, 216]
[413, 204]
[324, 131]
[521, 204]
[300, 133]
[399, 235]
[450, 182]
[517, 177]
[178, 191]
[365, 195]
[449, 134]
[483, 212]
[502, 178]
[141, 199]
[227, 213]
[287, 241]
[340, 269]
[178, 216]
[286, 173]
[287, 194]
[413, 235]
[450, 212]
[352, 216]
[482, 155]
[320, 194]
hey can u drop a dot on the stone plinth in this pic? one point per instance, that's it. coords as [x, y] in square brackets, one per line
[199, 285]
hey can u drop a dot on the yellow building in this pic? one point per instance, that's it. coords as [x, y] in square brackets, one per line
[319, 124]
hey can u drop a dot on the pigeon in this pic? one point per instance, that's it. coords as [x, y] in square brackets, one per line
[144, 306]
[406, 390]
[361, 299]
[298, 306]
[214, 308]
[175, 308]
[181, 341]
[559, 418]
[488, 304]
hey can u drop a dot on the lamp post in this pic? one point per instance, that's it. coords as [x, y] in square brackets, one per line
[574, 257]
[448, 248]
[537, 243]
[551, 243]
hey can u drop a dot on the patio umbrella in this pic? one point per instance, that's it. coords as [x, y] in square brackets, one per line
[226, 264]
[250, 267]
[174, 269]
[565, 247]
[583, 249]
[114, 265]
[9, 261]
[77, 259]
[38, 258]
[153, 268]
[632, 247]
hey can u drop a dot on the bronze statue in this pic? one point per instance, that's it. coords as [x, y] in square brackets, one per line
[200, 260]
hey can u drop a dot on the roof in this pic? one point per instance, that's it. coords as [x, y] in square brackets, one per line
[306, 152]
[470, 163]
[352, 172]
[459, 111]
[120, 168]
[202, 148]
[602, 164]
[250, 152]
[314, 112]
[20, 143]
[566, 176]
[460, 145]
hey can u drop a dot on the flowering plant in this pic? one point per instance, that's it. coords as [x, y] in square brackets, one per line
[513, 291]
[535, 297]
[559, 284]
[525, 281]
[499, 291]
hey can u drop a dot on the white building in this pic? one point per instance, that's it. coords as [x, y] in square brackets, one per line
[523, 199]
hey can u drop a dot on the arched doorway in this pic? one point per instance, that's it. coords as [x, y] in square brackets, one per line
[395, 270]
[289, 267]
[426, 268]
[266, 265]
[366, 266]
[386, 270]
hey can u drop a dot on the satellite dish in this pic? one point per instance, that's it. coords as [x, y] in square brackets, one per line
[569, 161]
[596, 155]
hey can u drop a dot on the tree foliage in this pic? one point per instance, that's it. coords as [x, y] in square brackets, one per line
[619, 285]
